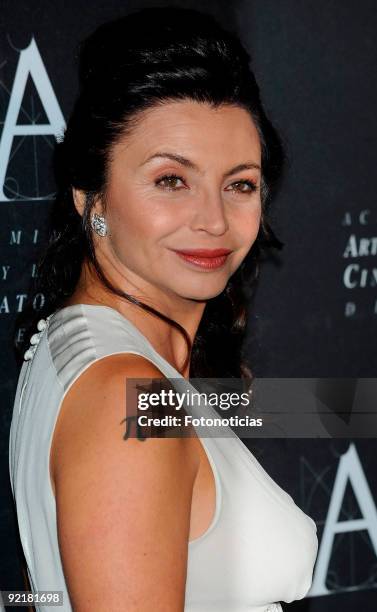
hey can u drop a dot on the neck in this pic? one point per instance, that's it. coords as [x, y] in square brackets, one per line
[165, 338]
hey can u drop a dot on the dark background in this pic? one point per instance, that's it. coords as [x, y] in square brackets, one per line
[315, 62]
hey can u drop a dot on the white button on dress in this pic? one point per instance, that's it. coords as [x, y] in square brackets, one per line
[34, 340]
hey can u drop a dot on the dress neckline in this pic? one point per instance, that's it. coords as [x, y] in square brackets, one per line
[127, 322]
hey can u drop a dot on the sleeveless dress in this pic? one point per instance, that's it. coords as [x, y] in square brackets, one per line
[260, 547]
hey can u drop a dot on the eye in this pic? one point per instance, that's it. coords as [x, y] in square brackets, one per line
[250, 186]
[170, 182]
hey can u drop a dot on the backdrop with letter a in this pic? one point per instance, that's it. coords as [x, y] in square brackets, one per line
[315, 310]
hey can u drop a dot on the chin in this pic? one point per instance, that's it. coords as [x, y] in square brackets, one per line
[202, 295]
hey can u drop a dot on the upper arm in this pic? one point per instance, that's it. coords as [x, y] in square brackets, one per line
[123, 506]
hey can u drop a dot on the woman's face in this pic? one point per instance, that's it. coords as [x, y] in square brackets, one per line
[211, 200]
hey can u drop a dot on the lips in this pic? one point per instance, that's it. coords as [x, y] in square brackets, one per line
[204, 253]
[206, 259]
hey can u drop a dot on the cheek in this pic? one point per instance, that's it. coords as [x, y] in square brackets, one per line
[142, 220]
[127, 213]
[246, 226]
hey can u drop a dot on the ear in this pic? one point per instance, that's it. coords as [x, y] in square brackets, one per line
[79, 200]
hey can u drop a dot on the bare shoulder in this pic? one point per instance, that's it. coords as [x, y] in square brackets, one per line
[97, 401]
[98, 394]
[123, 507]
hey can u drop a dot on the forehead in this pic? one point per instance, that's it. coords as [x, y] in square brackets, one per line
[187, 125]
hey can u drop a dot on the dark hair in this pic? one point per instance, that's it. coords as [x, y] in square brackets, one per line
[126, 66]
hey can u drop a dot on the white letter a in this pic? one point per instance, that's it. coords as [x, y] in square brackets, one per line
[30, 62]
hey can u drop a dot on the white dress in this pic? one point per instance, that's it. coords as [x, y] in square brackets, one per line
[260, 547]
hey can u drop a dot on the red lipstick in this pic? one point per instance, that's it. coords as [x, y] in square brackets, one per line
[207, 259]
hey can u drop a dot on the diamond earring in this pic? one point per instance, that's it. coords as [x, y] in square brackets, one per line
[98, 223]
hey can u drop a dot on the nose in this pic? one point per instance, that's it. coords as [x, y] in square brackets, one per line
[209, 214]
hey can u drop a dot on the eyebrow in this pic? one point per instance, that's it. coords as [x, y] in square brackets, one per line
[190, 164]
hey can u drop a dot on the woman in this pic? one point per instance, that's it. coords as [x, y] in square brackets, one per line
[165, 174]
